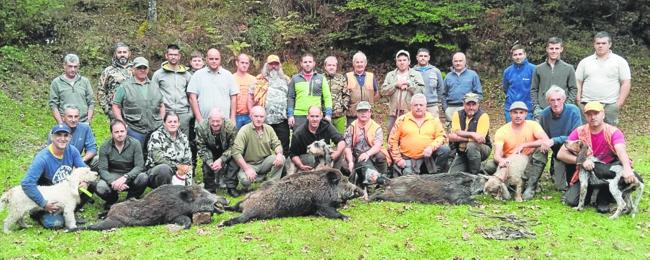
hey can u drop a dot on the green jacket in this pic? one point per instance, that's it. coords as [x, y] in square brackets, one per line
[140, 105]
[173, 87]
[79, 93]
[206, 141]
[114, 164]
[303, 94]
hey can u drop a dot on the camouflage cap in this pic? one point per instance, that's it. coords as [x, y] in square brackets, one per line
[364, 105]
[471, 97]
[140, 61]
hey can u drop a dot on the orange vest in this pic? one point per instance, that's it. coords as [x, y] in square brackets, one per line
[584, 135]
[357, 93]
[369, 133]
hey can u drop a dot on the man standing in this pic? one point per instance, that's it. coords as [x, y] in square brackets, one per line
[434, 85]
[196, 61]
[257, 151]
[604, 77]
[307, 88]
[521, 136]
[213, 86]
[516, 81]
[554, 71]
[418, 138]
[121, 166]
[71, 88]
[172, 79]
[51, 165]
[246, 83]
[139, 103]
[112, 76]
[458, 82]
[315, 129]
[81, 136]
[340, 93]
[364, 141]
[215, 138]
[271, 94]
[399, 86]
[361, 84]
[558, 120]
[469, 136]
[607, 144]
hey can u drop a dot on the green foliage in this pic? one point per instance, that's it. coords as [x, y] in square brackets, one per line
[384, 22]
[25, 21]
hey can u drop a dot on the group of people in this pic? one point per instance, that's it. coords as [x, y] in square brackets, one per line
[239, 125]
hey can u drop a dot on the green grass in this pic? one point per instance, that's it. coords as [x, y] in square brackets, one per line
[375, 230]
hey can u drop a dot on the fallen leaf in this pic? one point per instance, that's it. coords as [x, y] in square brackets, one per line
[466, 236]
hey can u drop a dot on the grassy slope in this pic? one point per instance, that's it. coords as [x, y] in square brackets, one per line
[375, 230]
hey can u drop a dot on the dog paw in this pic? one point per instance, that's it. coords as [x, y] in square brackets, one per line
[345, 218]
[615, 216]
[578, 208]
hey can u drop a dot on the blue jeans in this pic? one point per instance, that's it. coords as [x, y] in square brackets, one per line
[242, 120]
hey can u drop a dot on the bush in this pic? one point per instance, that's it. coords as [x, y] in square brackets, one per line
[29, 21]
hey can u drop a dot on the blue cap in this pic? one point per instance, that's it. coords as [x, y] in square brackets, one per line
[60, 128]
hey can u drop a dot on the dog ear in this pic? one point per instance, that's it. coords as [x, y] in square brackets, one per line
[333, 177]
[327, 154]
[505, 194]
[583, 154]
[73, 181]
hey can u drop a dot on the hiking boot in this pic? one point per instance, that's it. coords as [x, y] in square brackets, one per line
[529, 193]
[233, 192]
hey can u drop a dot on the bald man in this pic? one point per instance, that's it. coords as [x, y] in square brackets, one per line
[257, 151]
[215, 138]
[213, 86]
[458, 82]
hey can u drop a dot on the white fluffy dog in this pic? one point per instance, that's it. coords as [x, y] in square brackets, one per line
[65, 194]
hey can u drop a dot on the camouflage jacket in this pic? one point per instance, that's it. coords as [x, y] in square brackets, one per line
[340, 94]
[161, 149]
[206, 141]
[111, 77]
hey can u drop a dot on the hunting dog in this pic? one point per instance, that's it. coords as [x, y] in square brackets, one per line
[322, 155]
[65, 194]
[497, 184]
[621, 191]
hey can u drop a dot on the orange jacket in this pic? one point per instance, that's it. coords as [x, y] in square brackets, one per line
[409, 139]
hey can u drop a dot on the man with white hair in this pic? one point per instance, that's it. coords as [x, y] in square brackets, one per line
[257, 151]
[558, 119]
[458, 82]
[361, 84]
[418, 138]
[215, 138]
[71, 88]
[271, 94]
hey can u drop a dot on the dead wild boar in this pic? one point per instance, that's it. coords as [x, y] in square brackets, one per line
[446, 188]
[318, 192]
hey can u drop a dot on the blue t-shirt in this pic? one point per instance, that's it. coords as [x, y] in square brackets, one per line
[559, 128]
[46, 169]
[82, 138]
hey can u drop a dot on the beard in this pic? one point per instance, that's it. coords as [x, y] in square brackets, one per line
[122, 61]
[274, 74]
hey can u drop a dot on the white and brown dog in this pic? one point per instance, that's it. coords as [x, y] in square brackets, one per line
[497, 184]
[621, 191]
[322, 153]
[65, 193]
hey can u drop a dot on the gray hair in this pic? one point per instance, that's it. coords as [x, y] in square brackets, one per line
[359, 55]
[66, 107]
[419, 96]
[215, 112]
[603, 34]
[71, 58]
[555, 89]
[330, 59]
[120, 45]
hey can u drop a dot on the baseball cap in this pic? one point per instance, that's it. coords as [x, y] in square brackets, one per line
[594, 106]
[471, 97]
[60, 128]
[273, 58]
[363, 105]
[518, 105]
[140, 61]
[400, 52]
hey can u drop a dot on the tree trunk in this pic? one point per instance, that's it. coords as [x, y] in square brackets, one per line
[151, 12]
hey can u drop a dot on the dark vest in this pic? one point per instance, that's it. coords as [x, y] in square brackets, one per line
[462, 116]
[141, 111]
